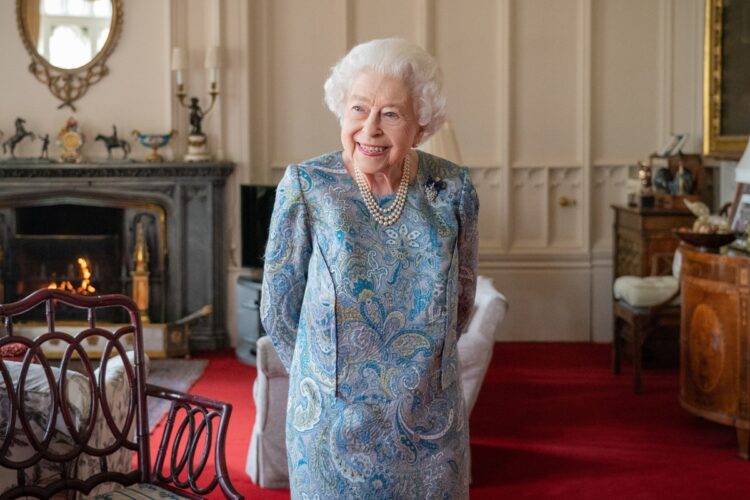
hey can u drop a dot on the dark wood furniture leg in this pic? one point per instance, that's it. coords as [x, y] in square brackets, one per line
[743, 440]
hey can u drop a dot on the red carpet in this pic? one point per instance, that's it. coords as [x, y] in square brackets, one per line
[552, 422]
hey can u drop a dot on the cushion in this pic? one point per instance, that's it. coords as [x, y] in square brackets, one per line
[142, 490]
[476, 343]
[37, 402]
[646, 291]
[267, 461]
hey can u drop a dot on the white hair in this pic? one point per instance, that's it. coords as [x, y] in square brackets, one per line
[396, 57]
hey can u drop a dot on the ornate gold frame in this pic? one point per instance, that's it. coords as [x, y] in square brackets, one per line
[69, 85]
[714, 143]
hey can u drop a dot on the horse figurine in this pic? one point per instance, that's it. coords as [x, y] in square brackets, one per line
[20, 134]
[113, 142]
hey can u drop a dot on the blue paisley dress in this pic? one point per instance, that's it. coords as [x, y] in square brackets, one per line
[365, 319]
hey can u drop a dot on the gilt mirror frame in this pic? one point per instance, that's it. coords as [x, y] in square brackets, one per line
[716, 97]
[69, 85]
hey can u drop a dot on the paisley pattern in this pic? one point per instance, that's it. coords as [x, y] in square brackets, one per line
[365, 319]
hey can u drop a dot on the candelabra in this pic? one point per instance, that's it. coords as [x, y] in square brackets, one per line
[197, 141]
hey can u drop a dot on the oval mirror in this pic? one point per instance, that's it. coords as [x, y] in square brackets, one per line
[69, 42]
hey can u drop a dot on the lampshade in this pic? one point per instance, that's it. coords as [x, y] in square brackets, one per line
[742, 172]
[179, 59]
[443, 144]
[213, 57]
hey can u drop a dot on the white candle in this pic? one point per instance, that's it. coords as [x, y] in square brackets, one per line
[213, 62]
[179, 59]
[213, 57]
[179, 62]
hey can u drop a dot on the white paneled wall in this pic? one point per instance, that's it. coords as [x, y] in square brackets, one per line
[551, 100]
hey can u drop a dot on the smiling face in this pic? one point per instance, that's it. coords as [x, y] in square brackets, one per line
[379, 124]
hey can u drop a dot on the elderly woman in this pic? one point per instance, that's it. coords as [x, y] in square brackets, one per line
[369, 280]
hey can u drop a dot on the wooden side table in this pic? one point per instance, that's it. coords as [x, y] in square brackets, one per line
[714, 340]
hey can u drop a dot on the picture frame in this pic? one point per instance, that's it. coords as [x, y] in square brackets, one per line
[674, 146]
[739, 211]
[726, 79]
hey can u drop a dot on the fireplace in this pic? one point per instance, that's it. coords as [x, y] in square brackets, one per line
[82, 248]
[151, 231]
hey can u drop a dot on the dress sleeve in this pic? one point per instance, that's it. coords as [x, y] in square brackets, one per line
[285, 269]
[468, 241]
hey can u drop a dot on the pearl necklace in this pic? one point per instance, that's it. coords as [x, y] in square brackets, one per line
[388, 215]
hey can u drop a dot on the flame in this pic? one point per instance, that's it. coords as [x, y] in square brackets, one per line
[85, 288]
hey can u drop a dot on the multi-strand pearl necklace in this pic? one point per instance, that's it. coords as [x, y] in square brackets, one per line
[390, 214]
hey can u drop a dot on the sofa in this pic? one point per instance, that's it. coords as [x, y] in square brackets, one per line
[267, 463]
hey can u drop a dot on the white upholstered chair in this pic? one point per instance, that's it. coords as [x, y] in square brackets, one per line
[266, 462]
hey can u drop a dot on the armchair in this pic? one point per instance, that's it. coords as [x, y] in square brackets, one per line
[267, 463]
[94, 436]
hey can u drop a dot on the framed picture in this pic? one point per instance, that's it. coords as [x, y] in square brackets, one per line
[674, 145]
[726, 78]
[739, 212]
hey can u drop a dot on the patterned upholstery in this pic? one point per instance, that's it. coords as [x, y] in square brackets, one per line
[139, 491]
[37, 404]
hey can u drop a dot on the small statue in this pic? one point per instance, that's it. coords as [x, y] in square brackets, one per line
[21, 134]
[44, 155]
[683, 181]
[71, 141]
[197, 140]
[113, 142]
[196, 117]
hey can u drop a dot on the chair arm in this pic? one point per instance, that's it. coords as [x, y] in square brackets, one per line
[268, 361]
[191, 434]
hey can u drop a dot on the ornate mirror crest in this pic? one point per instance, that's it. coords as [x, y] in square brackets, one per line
[37, 20]
[726, 79]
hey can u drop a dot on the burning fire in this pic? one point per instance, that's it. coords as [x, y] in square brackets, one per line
[85, 287]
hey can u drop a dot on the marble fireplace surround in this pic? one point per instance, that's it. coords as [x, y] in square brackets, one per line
[189, 195]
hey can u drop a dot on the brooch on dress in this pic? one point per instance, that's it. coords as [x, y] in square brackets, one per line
[433, 187]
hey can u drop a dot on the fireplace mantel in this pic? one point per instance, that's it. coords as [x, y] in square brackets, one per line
[21, 169]
[191, 198]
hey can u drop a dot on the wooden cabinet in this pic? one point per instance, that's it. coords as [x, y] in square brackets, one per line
[714, 347]
[642, 235]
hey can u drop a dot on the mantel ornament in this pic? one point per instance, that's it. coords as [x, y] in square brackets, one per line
[68, 75]
[197, 140]
[70, 140]
[114, 142]
[154, 141]
[21, 134]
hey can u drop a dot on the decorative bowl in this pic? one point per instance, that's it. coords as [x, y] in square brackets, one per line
[707, 242]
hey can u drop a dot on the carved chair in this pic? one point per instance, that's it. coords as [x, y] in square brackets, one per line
[77, 433]
[645, 306]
